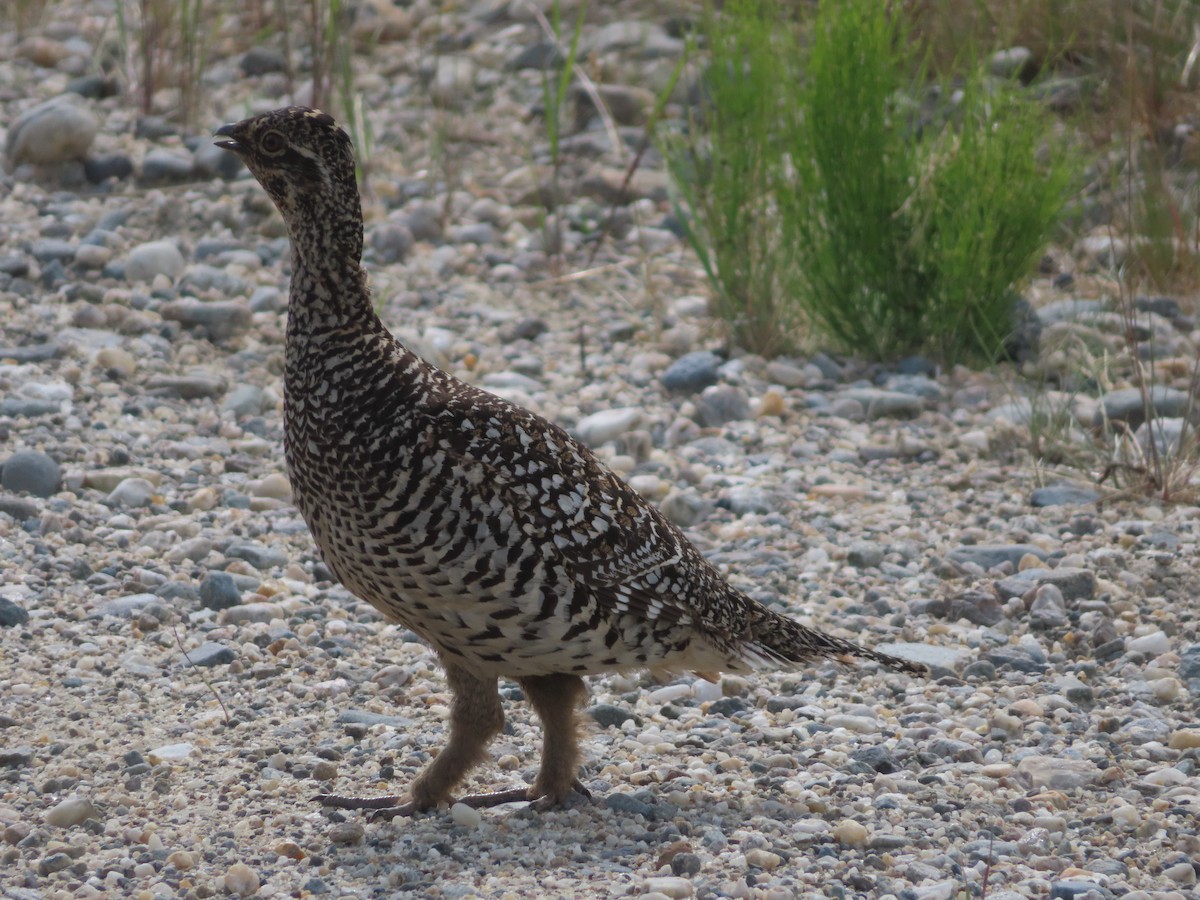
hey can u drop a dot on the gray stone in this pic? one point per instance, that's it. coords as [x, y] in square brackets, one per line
[543, 55]
[162, 166]
[1064, 494]
[916, 385]
[261, 61]
[473, 233]
[363, 717]
[627, 804]
[204, 277]
[692, 372]
[864, 555]
[18, 508]
[880, 404]
[607, 715]
[978, 607]
[123, 607]
[210, 161]
[623, 35]
[391, 242]
[744, 501]
[719, 404]
[31, 472]
[244, 400]
[32, 352]
[424, 221]
[607, 424]
[1127, 406]
[1058, 773]
[146, 261]
[988, 555]
[685, 507]
[11, 615]
[55, 131]
[98, 169]
[258, 555]
[209, 654]
[219, 319]
[197, 386]
[46, 249]
[218, 590]
[1048, 608]
[1073, 583]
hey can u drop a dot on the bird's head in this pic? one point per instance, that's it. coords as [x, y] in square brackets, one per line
[303, 160]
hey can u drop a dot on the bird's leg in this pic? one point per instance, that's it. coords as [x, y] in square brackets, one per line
[476, 716]
[555, 698]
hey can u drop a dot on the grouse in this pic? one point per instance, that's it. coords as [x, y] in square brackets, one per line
[490, 532]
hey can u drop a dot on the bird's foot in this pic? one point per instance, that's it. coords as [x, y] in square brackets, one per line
[382, 809]
[386, 808]
[539, 802]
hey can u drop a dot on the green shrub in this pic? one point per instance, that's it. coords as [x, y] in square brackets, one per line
[824, 189]
[724, 166]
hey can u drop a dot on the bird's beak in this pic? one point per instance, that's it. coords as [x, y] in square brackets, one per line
[230, 142]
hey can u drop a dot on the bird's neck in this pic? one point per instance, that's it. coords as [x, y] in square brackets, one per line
[329, 287]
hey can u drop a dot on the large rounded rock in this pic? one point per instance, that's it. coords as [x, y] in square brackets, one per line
[31, 472]
[58, 130]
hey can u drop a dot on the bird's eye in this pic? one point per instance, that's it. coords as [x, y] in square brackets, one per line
[273, 142]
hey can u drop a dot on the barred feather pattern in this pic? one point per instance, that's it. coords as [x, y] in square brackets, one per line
[484, 528]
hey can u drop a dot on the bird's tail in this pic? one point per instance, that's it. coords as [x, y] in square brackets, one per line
[779, 641]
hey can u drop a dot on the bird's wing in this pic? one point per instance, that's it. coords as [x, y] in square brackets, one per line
[604, 533]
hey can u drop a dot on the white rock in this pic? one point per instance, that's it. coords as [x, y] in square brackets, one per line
[132, 492]
[146, 261]
[669, 886]
[170, 753]
[1151, 644]
[669, 694]
[607, 424]
[70, 811]
[60, 129]
[466, 816]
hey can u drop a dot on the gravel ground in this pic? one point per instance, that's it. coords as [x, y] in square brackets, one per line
[179, 675]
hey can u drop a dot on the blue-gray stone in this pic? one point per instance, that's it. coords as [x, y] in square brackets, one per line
[627, 804]
[1127, 405]
[209, 654]
[721, 403]
[31, 472]
[1073, 583]
[98, 169]
[11, 614]
[123, 607]
[1063, 494]
[258, 555]
[162, 166]
[692, 372]
[880, 404]
[31, 352]
[219, 591]
[46, 249]
[988, 555]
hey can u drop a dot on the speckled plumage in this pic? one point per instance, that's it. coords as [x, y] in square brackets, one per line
[484, 528]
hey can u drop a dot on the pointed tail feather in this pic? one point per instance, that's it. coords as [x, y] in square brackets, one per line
[785, 642]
